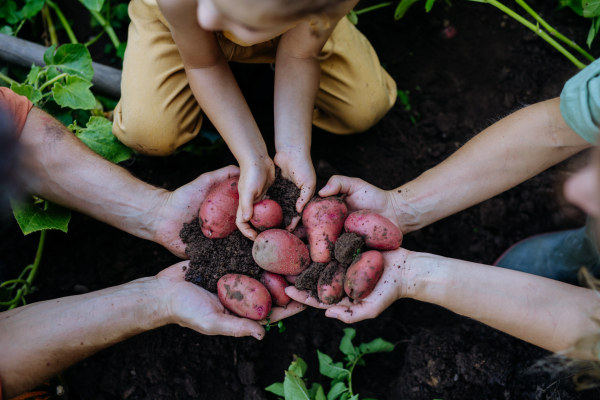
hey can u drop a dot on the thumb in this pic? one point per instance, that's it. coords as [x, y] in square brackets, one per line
[246, 207]
[340, 184]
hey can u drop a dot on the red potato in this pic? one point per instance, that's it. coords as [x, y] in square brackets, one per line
[323, 219]
[363, 274]
[276, 285]
[331, 283]
[244, 296]
[267, 215]
[278, 251]
[217, 213]
[378, 232]
[300, 232]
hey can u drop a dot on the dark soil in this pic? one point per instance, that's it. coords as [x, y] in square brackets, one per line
[210, 259]
[346, 247]
[457, 87]
[286, 194]
[309, 278]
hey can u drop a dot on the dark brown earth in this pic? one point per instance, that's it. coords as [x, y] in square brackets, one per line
[457, 87]
[309, 278]
[286, 194]
[346, 247]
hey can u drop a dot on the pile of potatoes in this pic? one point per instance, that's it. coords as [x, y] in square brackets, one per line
[284, 255]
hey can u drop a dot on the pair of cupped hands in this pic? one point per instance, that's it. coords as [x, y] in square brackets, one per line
[194, 307]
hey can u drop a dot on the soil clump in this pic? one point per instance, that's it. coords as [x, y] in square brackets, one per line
[346, 247]
[286, 194]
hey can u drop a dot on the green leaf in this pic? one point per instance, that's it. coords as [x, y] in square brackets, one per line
[294, 387]
[32, 7]
[344, 396]
[361, 362]
[276, 388]
[28, 91]
[33, 74]
[593, 31]
[58, 112]
[355, 397]
[49, 55]
[7, 30]
[98, 137]
[329, 369]
[94, 5]
[74, 59]
[402, 8]
[33, 217]
[336, 391]
[591, 8]
[346, 345]
[316, 392]
[74, 94]
[352, 17]
[298, 366]
[429, 5]
[376, 346]
[9, 12]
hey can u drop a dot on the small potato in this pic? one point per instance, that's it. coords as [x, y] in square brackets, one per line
[276, 285]
[244, 296]
[323, 219]
[278, 251]
[378, 232]
[267, 215]
[218, 211]
[300, 232]
[331, 283]
[363, 274]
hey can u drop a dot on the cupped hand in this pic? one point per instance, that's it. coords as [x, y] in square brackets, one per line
[193, 307]
[361, 195]
[298, 168]
[255, 179]
[392, 286]
[182, 205]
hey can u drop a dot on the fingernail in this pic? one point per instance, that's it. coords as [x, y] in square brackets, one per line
[326, 187]
[246, 217]
[256, 336]
[286, 289]
[331, 315]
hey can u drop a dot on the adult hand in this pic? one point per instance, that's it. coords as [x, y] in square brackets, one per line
[298, 168]
[182, 205]
[255, 179]
[361, 195]
[392, 286]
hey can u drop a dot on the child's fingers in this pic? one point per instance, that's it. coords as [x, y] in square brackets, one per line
[246, 229]
[340, 184]
[306, 194]
[279, 313]
[293, 224]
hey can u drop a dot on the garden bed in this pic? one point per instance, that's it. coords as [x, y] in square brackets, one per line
[457, 87]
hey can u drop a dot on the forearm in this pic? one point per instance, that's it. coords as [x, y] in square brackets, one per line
[296, 87]
[60, 168]
[504, 155]
[40, 340]
[544, 312]
[221, 99]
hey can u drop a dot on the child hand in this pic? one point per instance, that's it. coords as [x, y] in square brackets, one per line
[361, 195]
[255, 179]
[392, 286]
[298, 168]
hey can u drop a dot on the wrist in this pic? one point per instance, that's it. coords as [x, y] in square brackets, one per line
[408, 208]
[153, 215]
[425, 277]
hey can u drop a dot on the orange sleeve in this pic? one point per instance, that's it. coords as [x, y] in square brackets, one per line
[17, 107]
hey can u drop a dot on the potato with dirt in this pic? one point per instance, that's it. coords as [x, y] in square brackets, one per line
[276, 285]
[244, 296]
[278, 251]
[218, 211]
[363, 274]
[267, 214]
[323, 219]
[378, 232]
[331, 283]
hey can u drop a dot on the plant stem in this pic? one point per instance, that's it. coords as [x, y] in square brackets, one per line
[375, 7]
[91, 42]
[536, 29]
[7, 79]
[51, 29]
[63, 21]
[51, 81]
[16, 32]
[553, 31]
[109, 30]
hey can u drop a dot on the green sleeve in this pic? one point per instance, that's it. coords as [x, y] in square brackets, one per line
[580, 102]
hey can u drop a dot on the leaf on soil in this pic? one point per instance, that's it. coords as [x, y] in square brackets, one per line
[294, 387]
[336, 391]
[329, 369]
[376, 346]
[98, 137]
[32, 217]
[276, 388]
[75, 94]
[28, 91]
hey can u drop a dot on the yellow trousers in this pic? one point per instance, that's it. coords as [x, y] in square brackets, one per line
[158, 112]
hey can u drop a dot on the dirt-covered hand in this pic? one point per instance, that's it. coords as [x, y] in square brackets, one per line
[193, 307]
[298, 168]
[182, 205]
[392, 286]
[361, 195]
[255, 179]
